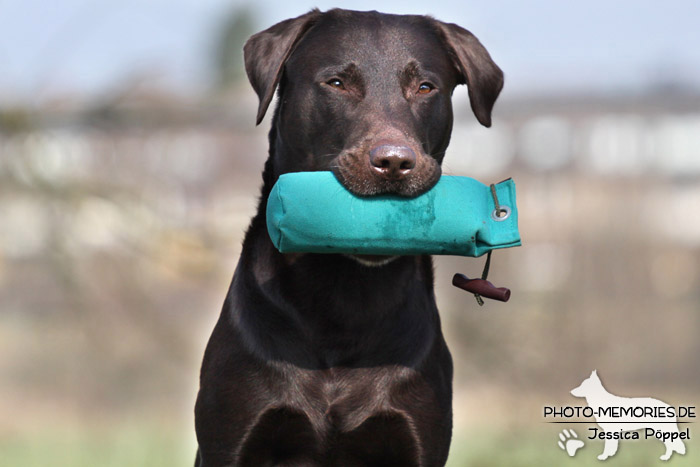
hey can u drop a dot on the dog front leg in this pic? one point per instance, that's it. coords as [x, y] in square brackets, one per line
[609, 450]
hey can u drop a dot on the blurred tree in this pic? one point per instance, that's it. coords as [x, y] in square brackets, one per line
[15, 120]
[235, 29]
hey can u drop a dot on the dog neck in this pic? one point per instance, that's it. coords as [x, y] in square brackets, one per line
[329, 308]
[331, 281]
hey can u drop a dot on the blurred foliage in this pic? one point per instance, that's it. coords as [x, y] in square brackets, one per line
[15, 120]
[235, 29]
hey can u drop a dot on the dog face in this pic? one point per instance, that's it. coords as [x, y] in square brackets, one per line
[368, 95]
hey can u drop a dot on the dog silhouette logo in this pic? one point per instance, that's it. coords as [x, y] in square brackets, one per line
[623, 417]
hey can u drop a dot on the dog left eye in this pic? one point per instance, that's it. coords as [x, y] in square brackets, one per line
[425, 88]
[336, 83]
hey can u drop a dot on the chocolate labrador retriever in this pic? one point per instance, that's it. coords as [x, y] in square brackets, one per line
[335, 360]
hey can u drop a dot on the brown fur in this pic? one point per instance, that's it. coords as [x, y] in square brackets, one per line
[321, 359]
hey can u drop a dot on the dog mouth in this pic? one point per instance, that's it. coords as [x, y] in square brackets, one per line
[355, 174]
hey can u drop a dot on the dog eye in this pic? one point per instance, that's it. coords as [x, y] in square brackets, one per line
[425, 88]
[335, 83]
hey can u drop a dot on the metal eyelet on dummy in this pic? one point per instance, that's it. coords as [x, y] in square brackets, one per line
[500, 214]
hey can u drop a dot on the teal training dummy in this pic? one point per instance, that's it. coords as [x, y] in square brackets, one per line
[311, 212]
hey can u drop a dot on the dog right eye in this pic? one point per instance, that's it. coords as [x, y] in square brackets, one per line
[335, 83]
[425, 88]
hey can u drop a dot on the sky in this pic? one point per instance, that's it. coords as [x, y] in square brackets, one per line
[544, 46]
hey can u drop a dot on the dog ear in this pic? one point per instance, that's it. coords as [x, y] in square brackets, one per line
[481, 75]
[266, 52]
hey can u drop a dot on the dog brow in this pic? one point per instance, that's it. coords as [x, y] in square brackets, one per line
[350, 70]
[411, 71]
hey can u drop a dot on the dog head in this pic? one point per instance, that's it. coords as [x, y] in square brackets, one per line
[367, 95]
[589, 386]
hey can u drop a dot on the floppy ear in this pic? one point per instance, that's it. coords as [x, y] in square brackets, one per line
[481, 75]
[265, 53]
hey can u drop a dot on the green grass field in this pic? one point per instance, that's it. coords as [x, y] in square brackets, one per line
[151, 447]
[522, 449]
[132, 447]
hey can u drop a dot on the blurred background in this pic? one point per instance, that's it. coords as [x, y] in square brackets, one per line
[130, 166]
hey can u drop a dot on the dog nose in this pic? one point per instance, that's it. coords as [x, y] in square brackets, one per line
[392, 162]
